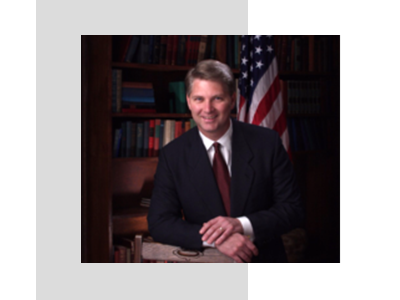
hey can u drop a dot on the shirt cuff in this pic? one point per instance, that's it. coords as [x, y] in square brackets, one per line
[205, 244]
[247, 227]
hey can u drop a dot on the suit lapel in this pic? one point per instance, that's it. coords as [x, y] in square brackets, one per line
[242, 172]
[202, 175]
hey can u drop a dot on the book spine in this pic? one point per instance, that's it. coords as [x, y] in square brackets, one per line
[168, 57]
[146, 130]
[139, 140]
[157, 137]
[156, 49]
[151, 138]
[163, 49]
[162, 124]
[150, 50]
[133, 140]
[128, 138]
[117, 142]
[180, 59]
[175, 42]
[202, 48]
[134, 42]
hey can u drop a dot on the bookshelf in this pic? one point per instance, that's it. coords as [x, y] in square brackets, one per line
[113, 187]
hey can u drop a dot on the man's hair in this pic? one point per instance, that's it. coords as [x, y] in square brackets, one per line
[212, 70]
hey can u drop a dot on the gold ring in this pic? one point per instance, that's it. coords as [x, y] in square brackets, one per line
[221, 228]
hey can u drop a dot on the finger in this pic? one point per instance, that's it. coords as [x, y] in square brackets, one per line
[244, 256]
[207, 225]
[216, 234]
[252, 248]
[216, 228]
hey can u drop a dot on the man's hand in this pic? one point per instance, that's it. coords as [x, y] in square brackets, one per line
[238, 247]
[219, 229]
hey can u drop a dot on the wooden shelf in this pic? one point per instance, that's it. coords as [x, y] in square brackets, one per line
[151, 115]
[159, 68]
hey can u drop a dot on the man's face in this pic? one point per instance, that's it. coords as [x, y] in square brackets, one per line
[211, 106]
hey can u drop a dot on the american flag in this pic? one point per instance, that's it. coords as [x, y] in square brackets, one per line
[260, 100]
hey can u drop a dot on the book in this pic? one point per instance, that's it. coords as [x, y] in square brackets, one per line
[178, 96]
[150, 152]
[137, 85]
[133, 46]
[207, 53]
[156, 49]
[236, 56]
[128, 146]
[229, 48]
[120, 254]
[175, 41]
[120, 46]
[170, 42]
[161, 143]
[213, 46]
[144, 49]
[180, 56]
[169, 131]
[188, 50]
[133, 140]
[220, 48]
[137, 92]
[139, 140]
[123, 140]
[146, 131]
[116, 90]
[139, 110]
[150, 51]
[157, 129]
[163, 49]
[202, 48]
[178, 128]
[117, 142]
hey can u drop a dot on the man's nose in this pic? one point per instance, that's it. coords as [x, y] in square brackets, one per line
[208, 106]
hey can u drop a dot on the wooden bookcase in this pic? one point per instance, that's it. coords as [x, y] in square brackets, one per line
[112, 187]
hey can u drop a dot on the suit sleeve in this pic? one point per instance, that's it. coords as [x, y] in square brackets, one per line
[287, 212]
[165, 220]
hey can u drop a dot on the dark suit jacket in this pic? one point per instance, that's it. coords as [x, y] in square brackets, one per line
[263, 189]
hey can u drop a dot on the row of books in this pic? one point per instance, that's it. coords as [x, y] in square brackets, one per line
[131, 97]
[304, 53]
[145, 139]
[306, 134]
[303, 97]
[177, 50]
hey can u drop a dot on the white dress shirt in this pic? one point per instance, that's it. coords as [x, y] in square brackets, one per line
[226, 150]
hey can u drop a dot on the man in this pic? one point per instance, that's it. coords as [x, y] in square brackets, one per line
[239, 195]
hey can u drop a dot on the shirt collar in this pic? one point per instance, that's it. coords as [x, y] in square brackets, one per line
[224, 140]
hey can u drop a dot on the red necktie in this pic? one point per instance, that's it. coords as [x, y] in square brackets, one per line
[222, 176]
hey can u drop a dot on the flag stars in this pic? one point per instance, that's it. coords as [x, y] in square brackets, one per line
[269, 49]
[257, 37]
[243, 47]
[259, 64]
[258, 50]
[251, 82]
[244, 60]
[244, 74]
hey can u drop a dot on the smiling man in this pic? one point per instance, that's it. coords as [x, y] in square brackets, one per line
[224, 184]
